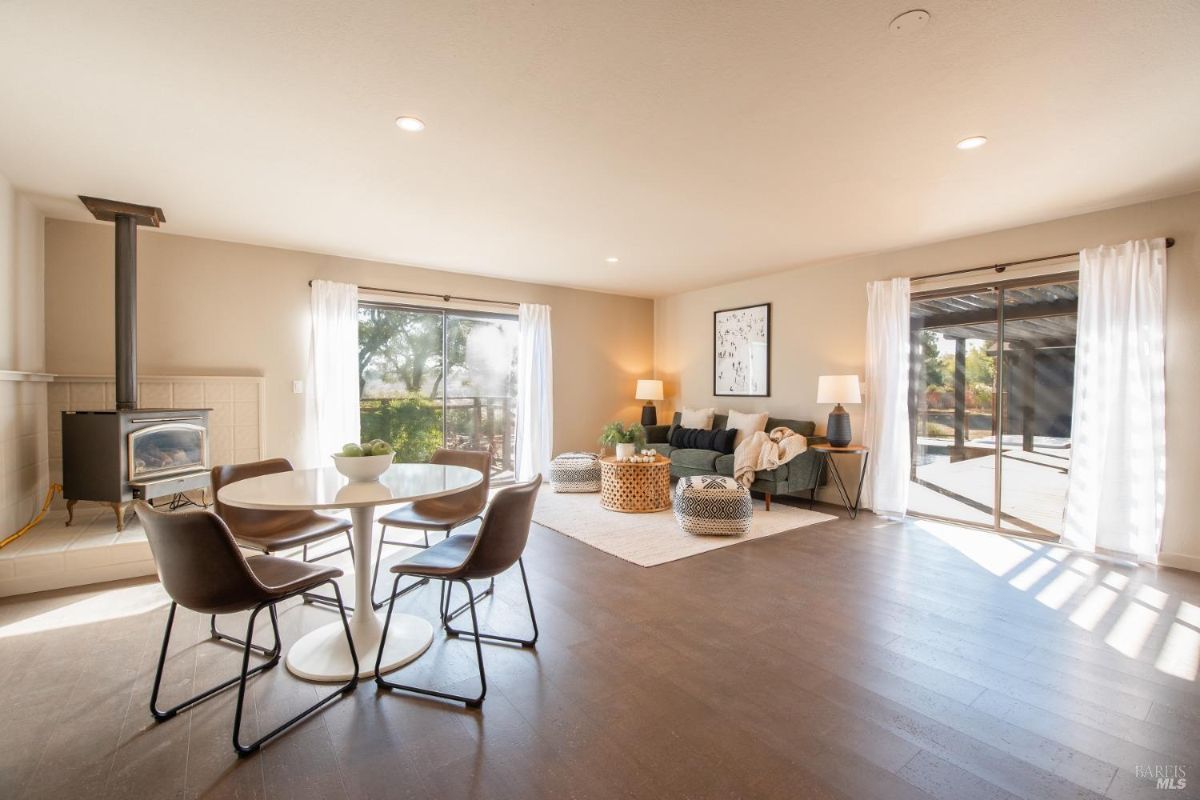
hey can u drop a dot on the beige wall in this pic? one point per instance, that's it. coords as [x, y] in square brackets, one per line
[23, 455]
[819, 324]
[217, 308]
[22, 342]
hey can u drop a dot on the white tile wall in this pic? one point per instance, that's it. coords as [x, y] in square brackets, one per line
[24, 455]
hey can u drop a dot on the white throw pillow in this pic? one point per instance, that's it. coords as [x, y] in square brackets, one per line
[745, 424]
[697, 418]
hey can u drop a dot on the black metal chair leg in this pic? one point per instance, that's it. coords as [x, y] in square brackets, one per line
[470, 702]
[449, 615]
[258, 648]
[496, 638]
[244, 750]
[320, 599]
[378, 604]
[161, 715]
[528, 602]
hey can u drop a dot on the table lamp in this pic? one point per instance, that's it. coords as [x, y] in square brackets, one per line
[838, 389]
[649, 391]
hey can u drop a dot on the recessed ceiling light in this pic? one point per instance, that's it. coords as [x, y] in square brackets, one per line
[971, 142]
[410, 124]
[612, 259]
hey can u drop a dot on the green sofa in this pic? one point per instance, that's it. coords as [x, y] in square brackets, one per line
[796, 476]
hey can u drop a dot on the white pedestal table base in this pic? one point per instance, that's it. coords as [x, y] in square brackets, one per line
[322, 655]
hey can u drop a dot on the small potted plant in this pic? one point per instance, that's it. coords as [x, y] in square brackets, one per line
[624, 441]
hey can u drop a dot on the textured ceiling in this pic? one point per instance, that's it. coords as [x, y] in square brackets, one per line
[698, 141]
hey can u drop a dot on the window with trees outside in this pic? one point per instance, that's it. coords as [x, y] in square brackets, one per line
[430, 378]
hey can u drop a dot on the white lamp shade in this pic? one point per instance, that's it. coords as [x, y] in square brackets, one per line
[838, 389]
[649, 390]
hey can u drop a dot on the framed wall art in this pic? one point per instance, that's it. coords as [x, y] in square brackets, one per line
[742, 351]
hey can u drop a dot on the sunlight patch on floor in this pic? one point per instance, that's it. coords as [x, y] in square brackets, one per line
[997, 554]
[1188, 614]
[1152, 597]
[100, 607]
[1093, 608]
[1027, 577]
[1180, 654]
[1116, 580]
[1142, 613]
[1129, 634]
[1060, 590]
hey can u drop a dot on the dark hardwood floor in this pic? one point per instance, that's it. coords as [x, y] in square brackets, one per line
[853, 659]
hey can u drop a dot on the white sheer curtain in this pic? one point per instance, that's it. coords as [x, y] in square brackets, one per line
[1117, 485]
[535, 392]
[333, 370]
[887, 432]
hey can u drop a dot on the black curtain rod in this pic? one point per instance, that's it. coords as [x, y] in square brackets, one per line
[445, 298]
[1006, 265]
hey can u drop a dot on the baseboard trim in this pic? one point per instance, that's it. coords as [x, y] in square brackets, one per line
[1179, 561]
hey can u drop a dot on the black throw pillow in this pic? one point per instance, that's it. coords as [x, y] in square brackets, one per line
[723, 442]
[681, 436]
[720, 440]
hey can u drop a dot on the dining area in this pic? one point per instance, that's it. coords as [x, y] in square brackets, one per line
[278, 537]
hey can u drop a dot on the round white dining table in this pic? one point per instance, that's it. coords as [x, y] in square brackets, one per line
[322, 655]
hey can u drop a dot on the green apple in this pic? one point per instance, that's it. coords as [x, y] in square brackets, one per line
[351, 450]
[381, 449]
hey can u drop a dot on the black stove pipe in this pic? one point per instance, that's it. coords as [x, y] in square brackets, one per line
[126, 316]
[126, 217]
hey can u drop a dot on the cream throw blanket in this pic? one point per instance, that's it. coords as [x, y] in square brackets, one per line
[763, 450]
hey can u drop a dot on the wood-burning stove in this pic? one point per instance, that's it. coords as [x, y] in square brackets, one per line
[118, 455]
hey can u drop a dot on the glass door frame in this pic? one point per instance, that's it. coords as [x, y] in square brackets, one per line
[999, 409]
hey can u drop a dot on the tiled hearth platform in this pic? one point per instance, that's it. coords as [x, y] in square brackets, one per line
[53, 556]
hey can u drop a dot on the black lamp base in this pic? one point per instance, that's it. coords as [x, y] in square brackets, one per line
[649, 414]
[837, 429]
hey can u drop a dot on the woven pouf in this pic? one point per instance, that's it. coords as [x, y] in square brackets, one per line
[575, 472]
[712, 505]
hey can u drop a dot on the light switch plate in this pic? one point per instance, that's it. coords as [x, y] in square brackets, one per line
[297, 387]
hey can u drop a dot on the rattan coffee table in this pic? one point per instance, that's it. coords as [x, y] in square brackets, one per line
[635, 488]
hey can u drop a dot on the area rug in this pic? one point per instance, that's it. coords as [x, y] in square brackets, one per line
[652, 539]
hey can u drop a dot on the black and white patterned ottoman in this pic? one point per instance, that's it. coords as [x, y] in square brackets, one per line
[575, 472]
[712, 505]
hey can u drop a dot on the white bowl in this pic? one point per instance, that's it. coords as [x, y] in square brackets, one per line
[362, 469]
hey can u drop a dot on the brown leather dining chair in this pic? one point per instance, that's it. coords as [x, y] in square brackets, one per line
[463, 557]
[442, 514]
[271, 531]
[202, 569]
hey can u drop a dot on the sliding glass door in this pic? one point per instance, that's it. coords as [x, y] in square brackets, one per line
[990, 405]
[952, 406]
[430, 378]
[1037, 383]
[480, 392]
